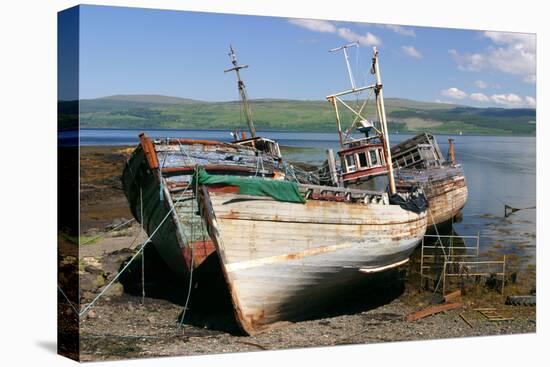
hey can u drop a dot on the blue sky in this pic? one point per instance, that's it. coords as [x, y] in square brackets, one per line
[176, 53]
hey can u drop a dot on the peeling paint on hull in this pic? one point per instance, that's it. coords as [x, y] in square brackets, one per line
[282, 260]
[445, 188]
[176, 159]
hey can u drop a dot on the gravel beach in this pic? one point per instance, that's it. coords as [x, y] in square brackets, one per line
[119, 326]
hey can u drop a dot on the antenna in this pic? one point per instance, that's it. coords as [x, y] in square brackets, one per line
[346, 57]
[242, 90]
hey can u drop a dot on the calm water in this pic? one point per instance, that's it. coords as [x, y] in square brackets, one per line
[498, 170]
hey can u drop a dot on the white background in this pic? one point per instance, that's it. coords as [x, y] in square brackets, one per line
[28, 179]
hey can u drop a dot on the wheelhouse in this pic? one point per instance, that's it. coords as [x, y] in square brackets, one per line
[362, 159]
[268, 146]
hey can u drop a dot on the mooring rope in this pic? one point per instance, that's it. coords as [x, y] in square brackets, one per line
[105, 233]
[190, 285]
[68, 300]
[90, 305]
[444, 254]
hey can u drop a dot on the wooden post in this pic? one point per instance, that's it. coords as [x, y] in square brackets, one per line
[149, 151]
[451, 153]
[338, 125]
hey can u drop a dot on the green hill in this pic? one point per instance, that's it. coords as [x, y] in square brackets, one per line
[156, 111]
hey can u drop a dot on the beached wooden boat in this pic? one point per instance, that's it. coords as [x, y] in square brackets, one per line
[286, 248]
[283, 259]
[157, 182]
[418, 162]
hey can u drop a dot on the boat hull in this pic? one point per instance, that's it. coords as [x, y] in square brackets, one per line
[283, 260]
[182, 240]
[445, 188]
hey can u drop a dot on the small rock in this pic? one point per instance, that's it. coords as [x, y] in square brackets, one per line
[116, 289]
[91, 314]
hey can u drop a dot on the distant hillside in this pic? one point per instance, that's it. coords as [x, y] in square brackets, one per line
[156, 111]
[149, 98]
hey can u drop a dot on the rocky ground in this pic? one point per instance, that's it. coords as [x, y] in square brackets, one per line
[124, 325]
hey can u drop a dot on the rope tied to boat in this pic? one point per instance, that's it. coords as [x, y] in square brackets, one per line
[106, 233]
[192, 263]
[139, 251]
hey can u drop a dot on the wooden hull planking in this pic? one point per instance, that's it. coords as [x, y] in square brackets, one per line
[177, 159]
[282, 260]
[445, 188]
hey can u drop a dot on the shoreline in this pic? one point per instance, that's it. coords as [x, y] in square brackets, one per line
[304, 131]
[120, 327]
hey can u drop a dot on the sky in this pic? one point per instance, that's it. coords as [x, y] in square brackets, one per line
[184, 54]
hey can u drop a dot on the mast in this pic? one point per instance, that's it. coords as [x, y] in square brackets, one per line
[242, 90]
[382, 116]
[345, 48]
[358, 113]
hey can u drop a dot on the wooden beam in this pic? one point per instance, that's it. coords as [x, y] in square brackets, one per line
[453, 296]
[432, 310]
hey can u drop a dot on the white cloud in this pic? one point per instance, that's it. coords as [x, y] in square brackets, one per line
[512, 53]
[480, 97]
[411, 51]
[509, 99]
[531, 79]
[454, 93]
[400, 30]
[481, 84]
[530, 101]
[314, 25]
[524, 40]
[368, 39]
[324, 26]
[469, 62]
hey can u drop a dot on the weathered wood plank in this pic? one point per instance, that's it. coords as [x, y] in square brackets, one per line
[432, 310]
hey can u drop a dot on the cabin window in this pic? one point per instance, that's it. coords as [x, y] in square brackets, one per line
[362, 159]
[350, 163]
[373, 158]
[382, 157]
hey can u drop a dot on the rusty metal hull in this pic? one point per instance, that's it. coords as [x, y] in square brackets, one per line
[445, 188]
[283, 260]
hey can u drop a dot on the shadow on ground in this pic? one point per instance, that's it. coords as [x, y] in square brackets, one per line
[210, 303]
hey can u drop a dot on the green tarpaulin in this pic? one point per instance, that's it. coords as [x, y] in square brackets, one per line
[278, 190]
